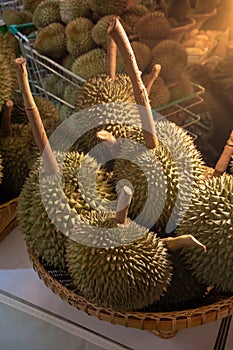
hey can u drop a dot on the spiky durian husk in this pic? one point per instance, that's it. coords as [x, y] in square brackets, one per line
[71, 9]
[159, 93]
[13, 16]
[31, 5]
[54, 84]
[48, 11]
[121, 277]
[46, 236]
[178, 9]
[51, 41]
[99, 31]
[70, 94]
[7, 45]
[182, 88]
[78, 36]
[132, 15]
[152, 27]
[209, 219]
[7, 80]
[67, 61]
[64, 111]
[205, 6]
[172, 57]
[169, 172]
[101, 89]
[184, 292]
[142, 53]
[1, 169]
[90, 64]
[107, 7]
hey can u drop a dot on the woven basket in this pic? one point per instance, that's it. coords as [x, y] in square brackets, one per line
[163, 324]
[8, 217]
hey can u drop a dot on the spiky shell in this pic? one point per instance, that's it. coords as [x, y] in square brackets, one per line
[99, 31]
[13, 16]
[142, 53]
[101, 89]
[67, 61]
[51, 41]
[48, 11]
[172, 57]
[78, 36]
[90, 64]
[70, 95]
[7, 80]
[71, 9]
[63, 201]
[120, 277]
[54, 84]
[159, 92]
[31, 5]
[152, 27]
[107, 7]
[209, 219]
[132, 15]
[182, 88]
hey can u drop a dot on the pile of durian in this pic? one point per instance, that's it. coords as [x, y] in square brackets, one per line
[123, 260]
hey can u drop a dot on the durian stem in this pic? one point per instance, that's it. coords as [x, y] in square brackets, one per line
[111, 62]
[225, 158]
[6, 119]
[184, 241]
[123, 204]
[117, 32]
[152, 77]
[108, 137]
[34, 118]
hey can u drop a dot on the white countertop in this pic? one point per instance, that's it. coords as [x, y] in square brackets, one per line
[17, 277]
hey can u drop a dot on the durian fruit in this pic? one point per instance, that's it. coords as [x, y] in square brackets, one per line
[107, 7]
[13, 16]
[131, 16]
[78, 36]
[205, 6]
[152, 28]
[142, 53]
[54, 84]
[114, 275]
[1, 169]
[70, 94]
[31, 5]
[91, 63]
[71, 9]
[48, 11]
[7, 79]
[99, 31]
[51, 41]
[102, 89]
[178, 9]
[8, 46]
[209, 219]
[181, 88]
[159, 93]
[67, 61]
[172, 57]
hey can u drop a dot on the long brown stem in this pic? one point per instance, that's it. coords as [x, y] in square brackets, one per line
[111, 62]
[175, 243]
[6, 119]
[123, 204]
[117, 32]
[106, 136]
[225, 158]
[34, 118]
[152, 77]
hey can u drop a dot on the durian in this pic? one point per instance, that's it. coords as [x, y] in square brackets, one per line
[159, 93]
[181, 88]
[78, 36]
[13, 16]
[7, 79]
[99, 31]
[107, 7]
[142, 53]
[67, 61]
[31, 5]
[71, 9]
[54, 84]
[131, 16]
[48, 11]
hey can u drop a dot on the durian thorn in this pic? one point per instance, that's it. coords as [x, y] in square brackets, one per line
[123, 204]
[184, 241]
[152, 77]
[117, 32]
[111, 59]
[34, 118]
[110, 140]
[224, 160]
[6, 119]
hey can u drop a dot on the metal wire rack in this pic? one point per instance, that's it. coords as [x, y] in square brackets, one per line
[10, 4]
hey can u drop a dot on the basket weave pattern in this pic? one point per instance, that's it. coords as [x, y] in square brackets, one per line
[8, 217]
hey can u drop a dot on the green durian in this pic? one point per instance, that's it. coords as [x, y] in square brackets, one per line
[31, 5]
[70, 94]
[205, 6]
[71, 9]
[152, 27]
[142, 54]
[63, 200]
[54, 84]
[90, 64]
[178, 9]
[209, 219]
[8, 45]
[172, 57]
[107, 7]
[101, 89]
[51, 41]
[67, 62]
[7, 79]
[13, 16]
[159, 93]
[48, 11]
[131, 16]
[78, 36]
[181, 88]
[99, 31]
[114, 275]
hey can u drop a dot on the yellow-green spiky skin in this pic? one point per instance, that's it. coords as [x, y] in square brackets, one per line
[1, 169]
[178, 9]
[124, 277]
[64, 111]
[101, 89]
[48, 11]
[169, 187]
[78, 36]
[70, 94]
[99, 31]
[45, 234]
[90, 64]
[71, 9]
[205, 6]
[67, 61]
[31, 5]
[152, 27]
[172, 57]
[132, 15]
[184, 292]
[54, 84]
[209, 219]
[142, 54]
[107, 7]
[8, 45]
[159, 92]
[7, 80]
[12, 16]
[182, 88]
[51, 41]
